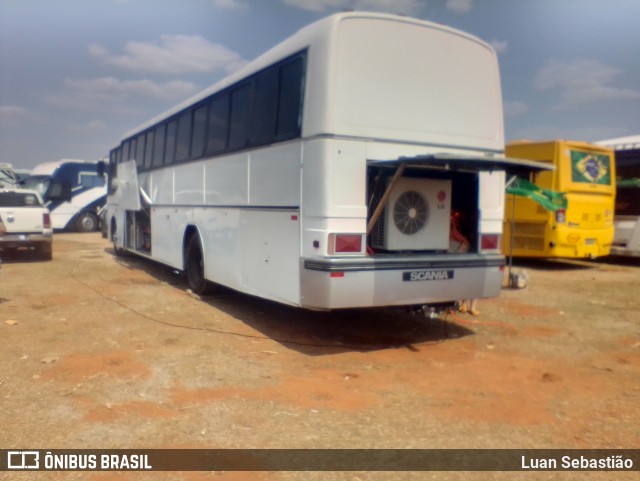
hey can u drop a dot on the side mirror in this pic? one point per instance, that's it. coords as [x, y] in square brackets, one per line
[102, 168]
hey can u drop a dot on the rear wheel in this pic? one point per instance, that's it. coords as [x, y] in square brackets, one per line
[43, 252]
[114, 228]
[194, 267]
[87, 222]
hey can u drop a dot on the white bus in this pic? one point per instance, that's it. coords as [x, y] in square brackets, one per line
[328, 172]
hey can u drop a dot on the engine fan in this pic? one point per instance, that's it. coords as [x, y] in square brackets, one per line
[410, 212]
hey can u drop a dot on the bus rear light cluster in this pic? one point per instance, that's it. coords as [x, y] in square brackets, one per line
[561, 216]
[490, 242]
[345, 244]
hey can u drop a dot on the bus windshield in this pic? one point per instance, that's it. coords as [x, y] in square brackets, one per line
[39, 183]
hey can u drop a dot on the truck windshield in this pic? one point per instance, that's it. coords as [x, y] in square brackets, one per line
[39, 183]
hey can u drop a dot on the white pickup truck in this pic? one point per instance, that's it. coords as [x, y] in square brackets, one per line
[27, 223]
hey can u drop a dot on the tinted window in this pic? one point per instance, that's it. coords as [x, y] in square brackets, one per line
[158, 146]
[291, 90]
[265, 107]
[139, 156]
[183, 139]
[125, 151]
[239, 120]
[170, 145]
[132, 150]
[148, 151]
[199, 132]
[17, 199]
[218, 126]
[91, 180]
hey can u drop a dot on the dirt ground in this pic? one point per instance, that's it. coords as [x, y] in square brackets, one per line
[105, 352]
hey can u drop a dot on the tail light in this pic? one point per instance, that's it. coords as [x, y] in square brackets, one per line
[561, 216]
[490, 242]
[345, 243]
[46, 220]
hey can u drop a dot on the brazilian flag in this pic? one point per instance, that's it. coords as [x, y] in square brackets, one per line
[590, 168]
[548, 199]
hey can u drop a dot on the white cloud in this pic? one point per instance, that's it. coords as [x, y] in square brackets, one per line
[407, 7]
[230, 4]
[515, 108]
[500, 46]
[113, 95]
[317, 5]
[13, 115]
[13, 111]
[459, 6]
[582, 81]
[173, 54]
[89, 127]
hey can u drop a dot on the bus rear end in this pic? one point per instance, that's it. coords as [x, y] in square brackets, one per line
[403, 174]
[585, 173]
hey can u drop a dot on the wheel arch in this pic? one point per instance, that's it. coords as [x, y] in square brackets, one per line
[190, 231]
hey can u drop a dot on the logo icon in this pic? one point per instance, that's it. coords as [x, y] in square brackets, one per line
[23, 460]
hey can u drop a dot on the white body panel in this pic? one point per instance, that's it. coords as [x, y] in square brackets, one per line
[491, 199]
[626, 240]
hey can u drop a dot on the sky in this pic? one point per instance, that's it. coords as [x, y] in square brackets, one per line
[75, 75]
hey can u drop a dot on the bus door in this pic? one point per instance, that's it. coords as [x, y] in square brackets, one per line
[127, 200]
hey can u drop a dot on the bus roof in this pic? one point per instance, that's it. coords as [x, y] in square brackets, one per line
[630, 142]
[48, 168]
[316, 32]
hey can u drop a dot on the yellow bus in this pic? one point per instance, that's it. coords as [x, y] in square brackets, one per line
[585, 173]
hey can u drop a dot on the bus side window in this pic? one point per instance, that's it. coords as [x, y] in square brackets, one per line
[158, 146]
[139, 156]
[183, 136]
[218, 127]
[239, 118]
[291, 93]
[125, 151]
[170, 146]
[199, 131]
[148, 152]
[264, 108]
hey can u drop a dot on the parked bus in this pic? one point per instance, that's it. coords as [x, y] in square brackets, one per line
[326, 173]
[626, 240]
[585, 173]
[73, 191]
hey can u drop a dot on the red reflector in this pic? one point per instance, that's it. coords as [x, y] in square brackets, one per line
[46, 221]
[348, 243]
[294, 217]
[490, 242]
[336, 274]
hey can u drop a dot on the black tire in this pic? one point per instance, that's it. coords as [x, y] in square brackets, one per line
[119, 252]
[44, 253]
[194, 267]
[87, 222]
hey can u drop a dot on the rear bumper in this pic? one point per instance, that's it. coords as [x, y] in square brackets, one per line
[26, 241]
[338, 283]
